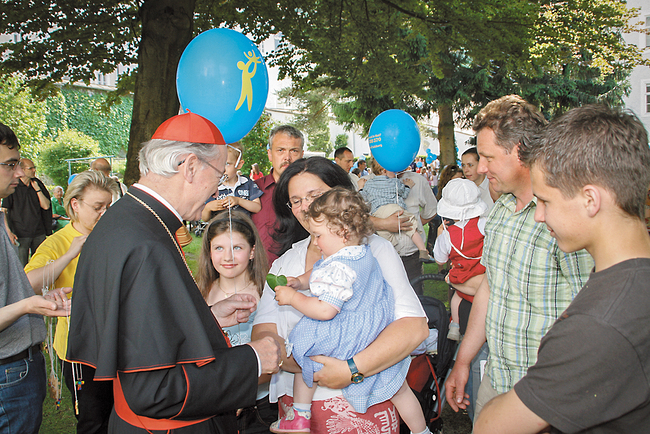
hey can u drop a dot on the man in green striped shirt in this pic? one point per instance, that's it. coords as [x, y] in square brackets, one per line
[529, 282]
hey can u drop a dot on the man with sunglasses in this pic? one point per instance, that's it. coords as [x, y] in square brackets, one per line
[28, 212]
[139, 318]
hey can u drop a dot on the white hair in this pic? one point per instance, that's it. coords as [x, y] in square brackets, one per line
[162, 157]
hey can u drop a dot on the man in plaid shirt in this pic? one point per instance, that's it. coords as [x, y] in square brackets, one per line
[529, 282]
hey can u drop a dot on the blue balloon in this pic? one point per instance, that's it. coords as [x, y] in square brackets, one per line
[394, 139]
[429, 159]
[222, 76]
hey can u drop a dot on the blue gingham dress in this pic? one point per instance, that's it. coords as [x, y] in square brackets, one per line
[352, 281]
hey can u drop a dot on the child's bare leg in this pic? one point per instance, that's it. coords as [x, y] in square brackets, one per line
[298, 417]
[470, 286]
[454, 304]
[417, 239]
[409, 409]
[302, 394]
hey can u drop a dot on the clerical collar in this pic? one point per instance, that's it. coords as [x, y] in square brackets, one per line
[159, 198]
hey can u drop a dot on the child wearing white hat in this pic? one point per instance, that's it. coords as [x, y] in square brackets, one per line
[461, 242]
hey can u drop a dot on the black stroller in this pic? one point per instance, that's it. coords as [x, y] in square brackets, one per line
[428, 371]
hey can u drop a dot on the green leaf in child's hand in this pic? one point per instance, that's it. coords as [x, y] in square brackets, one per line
[274, 280]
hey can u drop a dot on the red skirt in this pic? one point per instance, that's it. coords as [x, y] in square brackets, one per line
[336, 415]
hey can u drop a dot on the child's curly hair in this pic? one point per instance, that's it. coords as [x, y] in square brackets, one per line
[346, 212]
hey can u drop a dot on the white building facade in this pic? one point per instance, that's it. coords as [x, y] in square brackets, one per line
[639, 99]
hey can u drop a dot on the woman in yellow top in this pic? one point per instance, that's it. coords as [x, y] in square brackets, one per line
[54, 265]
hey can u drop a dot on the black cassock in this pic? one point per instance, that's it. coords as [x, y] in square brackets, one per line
[137, 315]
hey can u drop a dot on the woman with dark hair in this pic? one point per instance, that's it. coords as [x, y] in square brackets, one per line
[289, 230]
[302, 182]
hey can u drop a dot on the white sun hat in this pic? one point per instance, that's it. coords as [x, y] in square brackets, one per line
[461, 200]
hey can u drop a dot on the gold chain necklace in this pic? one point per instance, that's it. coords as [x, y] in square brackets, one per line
[178, 247]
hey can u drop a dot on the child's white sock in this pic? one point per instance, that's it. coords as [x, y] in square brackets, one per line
[426, 431]
[304, 408]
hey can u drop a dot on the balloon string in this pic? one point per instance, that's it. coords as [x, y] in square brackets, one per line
[232, 255]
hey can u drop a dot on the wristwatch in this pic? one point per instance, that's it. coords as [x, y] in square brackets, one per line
[357, 377]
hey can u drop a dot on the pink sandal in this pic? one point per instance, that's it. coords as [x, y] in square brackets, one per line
[292, 422]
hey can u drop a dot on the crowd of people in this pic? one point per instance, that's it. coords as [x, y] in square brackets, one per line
[524, 224]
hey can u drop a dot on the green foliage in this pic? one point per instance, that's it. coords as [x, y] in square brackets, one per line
[254, 145]
[418, 56]
[312, 118]
[341, 140]
[24, 115]
[85, 111]
[68, 144]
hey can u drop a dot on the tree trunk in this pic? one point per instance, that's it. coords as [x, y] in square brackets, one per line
[446, 135]
[166, 31]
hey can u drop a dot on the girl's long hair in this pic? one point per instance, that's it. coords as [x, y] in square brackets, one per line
[289, 230]
[257, 268]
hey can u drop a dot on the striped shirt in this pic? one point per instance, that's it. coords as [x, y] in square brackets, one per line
[382, 190]
[531, 283]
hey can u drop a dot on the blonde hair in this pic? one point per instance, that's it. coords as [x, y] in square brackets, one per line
[84, 181]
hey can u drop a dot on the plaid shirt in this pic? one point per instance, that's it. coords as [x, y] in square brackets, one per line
[382, 190]
[531, 283]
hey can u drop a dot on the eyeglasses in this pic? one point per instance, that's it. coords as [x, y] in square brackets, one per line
[296, 202]
[224, 177]
[10, 166]
[98, 209]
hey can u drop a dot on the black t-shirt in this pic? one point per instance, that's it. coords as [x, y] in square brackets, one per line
[24, 213]
[593, 368]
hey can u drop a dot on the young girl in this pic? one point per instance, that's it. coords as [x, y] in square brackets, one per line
[352, 306]
[233, 261]
[461, 241]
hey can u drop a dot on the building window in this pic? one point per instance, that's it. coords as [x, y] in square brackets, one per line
[647, 97]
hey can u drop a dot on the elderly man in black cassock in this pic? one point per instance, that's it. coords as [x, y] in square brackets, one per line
[138, 317]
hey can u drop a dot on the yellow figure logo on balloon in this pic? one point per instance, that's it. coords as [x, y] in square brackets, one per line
[246, 76]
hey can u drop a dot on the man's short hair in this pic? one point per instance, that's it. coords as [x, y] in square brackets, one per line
[340, 152]
[8, 137]
[511, 118]
[289, 131]
[597, 145]
[101, 165]
[162, 157]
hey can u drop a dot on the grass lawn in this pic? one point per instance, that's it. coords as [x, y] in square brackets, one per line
[62, 420]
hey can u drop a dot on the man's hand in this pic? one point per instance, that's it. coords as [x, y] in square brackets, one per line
[335, 373]
[54, 303]
[408, 182]
[455, 392]
[234, 309]
[284, 294]
[393, 223]
[268, 351]
[12, 237]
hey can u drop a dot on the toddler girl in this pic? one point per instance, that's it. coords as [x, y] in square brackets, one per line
[461, 241]
[352, 305]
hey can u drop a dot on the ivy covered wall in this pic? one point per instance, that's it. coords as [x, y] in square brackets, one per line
[83, 110]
